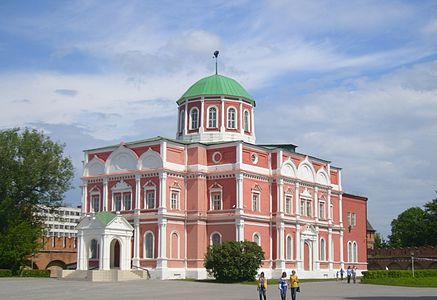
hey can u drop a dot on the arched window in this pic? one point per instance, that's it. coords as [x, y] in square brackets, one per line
[149, 245]
[182, 121]
[354, 251]
[289, 248]
[194, 115]
[232, 118]
[349, 252]
[94, 249]
[216, 239]
[246, 119]
[212, 117]
[257, 239]
[174, 251]
[322, 249]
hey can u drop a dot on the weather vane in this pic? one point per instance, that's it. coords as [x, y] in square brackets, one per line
[216, 53]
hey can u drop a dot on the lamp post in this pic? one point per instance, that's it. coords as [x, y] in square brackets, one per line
[412, 262]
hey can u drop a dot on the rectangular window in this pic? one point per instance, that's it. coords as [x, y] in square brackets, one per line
[322, 210]
[349, 219]
[95, 201]
[117, 202]
[174, 200]
[216, 202]
[309, 208]
[127, 201]
[302, 208]
[354, 219]
[255, 202]
[288, 204]
[150, 199]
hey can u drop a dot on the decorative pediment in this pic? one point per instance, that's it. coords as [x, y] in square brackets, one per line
[322, 177]
[103, 221]
[149, 185]
[122, 159]
[308, 232]
[95, 166]
[288, 169]
[95, 190]
[121, 186]
[256, 188]
[149, 160]
[306, 194]
[215, 186]
[176, 185]
[306, 170]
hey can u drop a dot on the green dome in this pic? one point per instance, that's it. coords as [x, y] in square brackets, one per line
[216, 85]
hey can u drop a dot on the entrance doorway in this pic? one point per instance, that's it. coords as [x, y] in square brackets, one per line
[115, 254]
[307, 261]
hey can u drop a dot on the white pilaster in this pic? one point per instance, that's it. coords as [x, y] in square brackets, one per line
[280, 251]
[316, 203]
[162, 192]
[281, 197]
[239, 204]
[252, 125]
[340, 209]
[316, 255]
[330, 257]
[298, 248]
[161, 266]
[201, 116]
[241, 117]
[106, 256]
[239, 227]
[297, 201]
[222, 115]
[105, 194]
[186, 121]
[329, 208]
[137, 192]
[136, 258]
[341, 249]
[82, 257]
[163, 152]
[84, 197]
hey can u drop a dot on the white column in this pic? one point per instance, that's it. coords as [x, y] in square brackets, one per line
[252, 125]
[297, 201]
[239, 227]
[81, 253]
[163, 152]
[298, 248]
[330, 258]
[329, 208]
[125, 261]
[316, 255]
[101, 253]
[241, 117]
[137, 192]
[201, 115]
[162, 192]
[161, 264]
[106, 253]
[136, 258]
[316, 203]
[186, 120]
[105, 194]
[341, 249]
[280, 251]
[280, 197]
[239, 204]
[222, 115]
[84, 197]
[340, 209]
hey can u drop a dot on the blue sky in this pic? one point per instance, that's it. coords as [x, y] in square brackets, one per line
[353, 82]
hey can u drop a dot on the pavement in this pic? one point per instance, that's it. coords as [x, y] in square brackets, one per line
[49, 288]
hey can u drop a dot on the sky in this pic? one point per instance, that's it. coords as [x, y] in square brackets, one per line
[352, 82]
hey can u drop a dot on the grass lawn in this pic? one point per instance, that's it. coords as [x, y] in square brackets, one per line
[404, 281]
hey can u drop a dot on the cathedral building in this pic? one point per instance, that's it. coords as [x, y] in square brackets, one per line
[159, 203]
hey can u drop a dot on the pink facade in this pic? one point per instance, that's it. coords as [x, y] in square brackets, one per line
[183, 195]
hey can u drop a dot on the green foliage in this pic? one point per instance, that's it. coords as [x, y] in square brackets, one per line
[380, 242]
[35, 273]
[234, 261]
[407, 230]
[5, 273]
[375, 274]
[33, 172]
[431, 222]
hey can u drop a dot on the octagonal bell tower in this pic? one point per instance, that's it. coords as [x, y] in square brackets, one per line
[214, 109]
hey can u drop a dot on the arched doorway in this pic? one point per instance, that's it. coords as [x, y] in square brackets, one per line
[307, 257]
[115, 254]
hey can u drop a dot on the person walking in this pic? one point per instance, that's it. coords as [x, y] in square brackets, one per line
[354, 274]
[262, 286]
[349, 274]
[283, 286]
[341, 273]
[294, 284]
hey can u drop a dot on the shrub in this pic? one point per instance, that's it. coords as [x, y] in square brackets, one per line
[5, 273]
[35, 273]
[234, 261]
[398, 274]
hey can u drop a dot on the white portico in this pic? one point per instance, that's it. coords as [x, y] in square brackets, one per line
[104, 242]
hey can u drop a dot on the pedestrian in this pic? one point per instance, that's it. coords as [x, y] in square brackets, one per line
[349, 274]
[336, 276]
[262, 286]
[341, 273]
[283, 286]
[354, 274]
[294, 285]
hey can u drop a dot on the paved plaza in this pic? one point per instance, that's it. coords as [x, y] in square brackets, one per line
[46, 289]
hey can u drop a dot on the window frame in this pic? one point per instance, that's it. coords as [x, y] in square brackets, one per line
[145, 252]
[92, 202]
[211, 238]
[231, 122]
[177, 200]
[214, 119]
[288, 208]
[246, 120]
[196, 120]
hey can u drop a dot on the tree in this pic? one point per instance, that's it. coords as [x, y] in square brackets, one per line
[408, 229]
[234, 261]
[33, 172]
[431, 222]
[380, 242]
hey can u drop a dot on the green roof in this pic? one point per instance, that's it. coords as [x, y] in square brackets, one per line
[216, 85]
[105, 217]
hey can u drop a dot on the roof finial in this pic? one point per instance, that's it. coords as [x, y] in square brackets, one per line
[216, 53]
